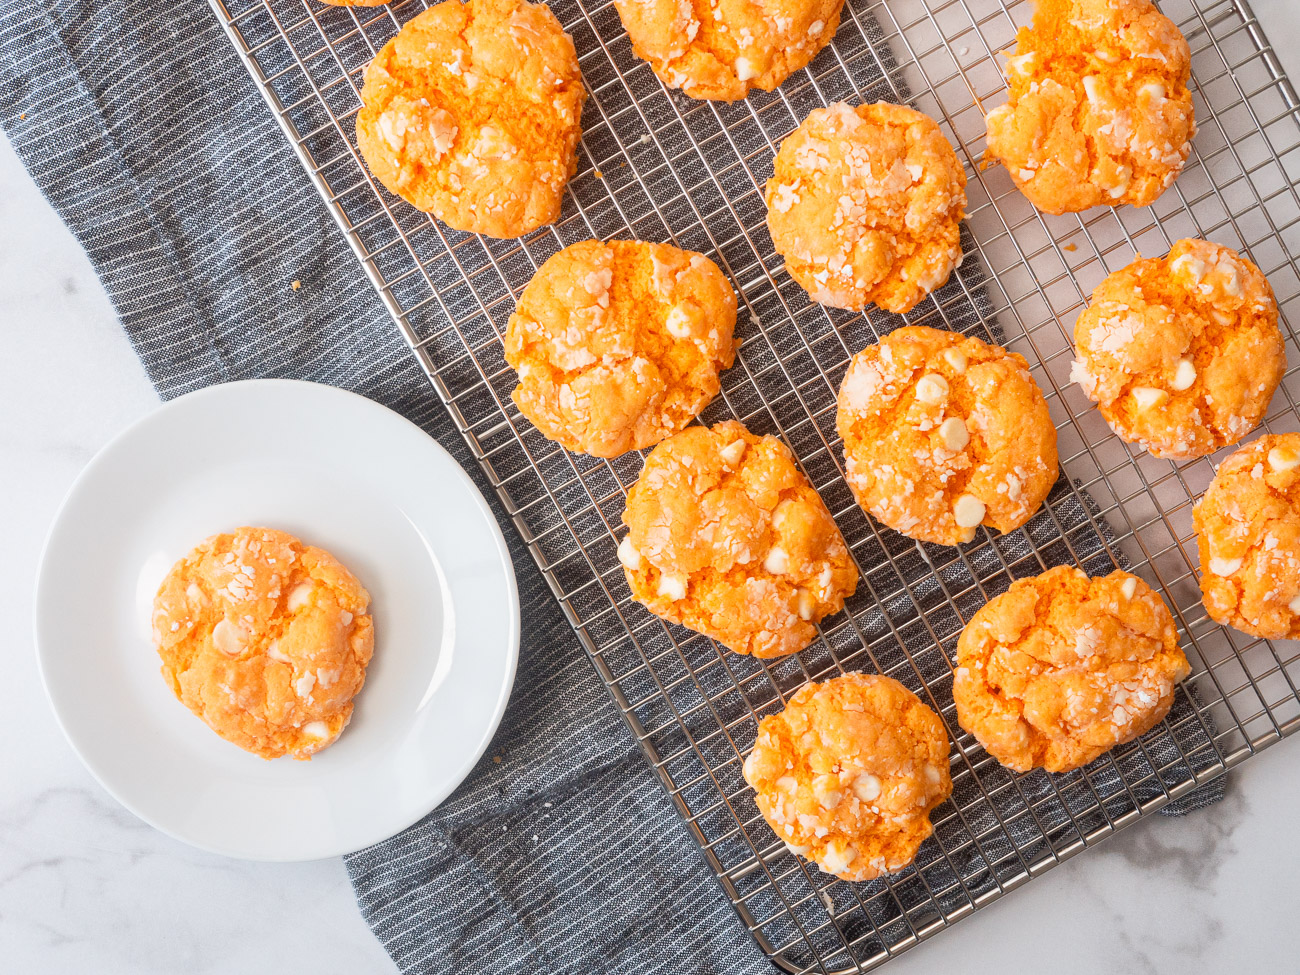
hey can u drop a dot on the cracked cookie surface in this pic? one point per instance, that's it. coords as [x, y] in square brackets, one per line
[848, 774]
[620, 344]
[473, 113]
[1182, 353]
[1099, 111]
[265, 639]
[727, 537]
[1061, 668]
[720, 49]
[1248, 536]
[943, 433]
[865, 205]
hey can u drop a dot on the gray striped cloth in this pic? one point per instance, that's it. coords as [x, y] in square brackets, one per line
[560, 853]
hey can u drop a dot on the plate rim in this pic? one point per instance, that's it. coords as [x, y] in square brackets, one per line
[42, 584]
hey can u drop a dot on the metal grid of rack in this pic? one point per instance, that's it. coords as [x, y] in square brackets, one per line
[656, 165]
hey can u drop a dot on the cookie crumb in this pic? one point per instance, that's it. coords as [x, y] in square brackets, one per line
[295, 284]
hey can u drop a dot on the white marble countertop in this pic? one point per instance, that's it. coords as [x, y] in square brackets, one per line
[85, 887]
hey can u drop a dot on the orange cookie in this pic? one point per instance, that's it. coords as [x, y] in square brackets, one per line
[848, 774]
[473, 113]
[265, 639]
[726, 536]
[944, 433]
[722, 49]
[1099, 111]
[1182, 353]
[619, 345]
[1061, 668]
[1248, 535]
[865, 204]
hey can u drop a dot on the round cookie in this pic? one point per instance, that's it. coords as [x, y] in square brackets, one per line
[848, 773]
[1061, 668]
[473, 113]
[865, 204]
[619, 345]
[944, 433]
[265, 639]
[1182, 353]
[721, 49]
[1248, 535]
[1099, 111]
[727, 537]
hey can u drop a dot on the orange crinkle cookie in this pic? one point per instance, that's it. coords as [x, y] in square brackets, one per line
[1099, 111]
[865, 205]
[1061, 668]
[1181, 353]
[944, 433]
[473, 113]
[620, 344]
[848, 774]
[1248, 535]
[727, 537]
[266, 639]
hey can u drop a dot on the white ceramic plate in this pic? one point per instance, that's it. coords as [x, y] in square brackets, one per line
[340, 472]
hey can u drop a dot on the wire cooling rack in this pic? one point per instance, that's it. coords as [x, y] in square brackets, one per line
[658, 166]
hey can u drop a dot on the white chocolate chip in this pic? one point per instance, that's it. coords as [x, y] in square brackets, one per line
[932, 775]
[678, 324]
[801, 851]
[932, 388]
[807, 603]
[827, 795]
[674, 587]
[195, 595]
[303, 685]
[815, 27]
[275, 653]
[777, 561]
[1184, 375]
[788, 783]
[1110, 57]
[1283, 458]
[866, 787]
[300, 596]
[745, 69]
[1294, 605]
[1192, 265]
[1146, 398]
[317, 729]
[953, 433]
[1232, 283]
[837, 857]
[956, 359]
[627, 553]
[1154, 90]
[968, 512]
[228, 638]
[345, 618]
[1129, 587]
[732, 453]
[1224, 567]
[1091, 88]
